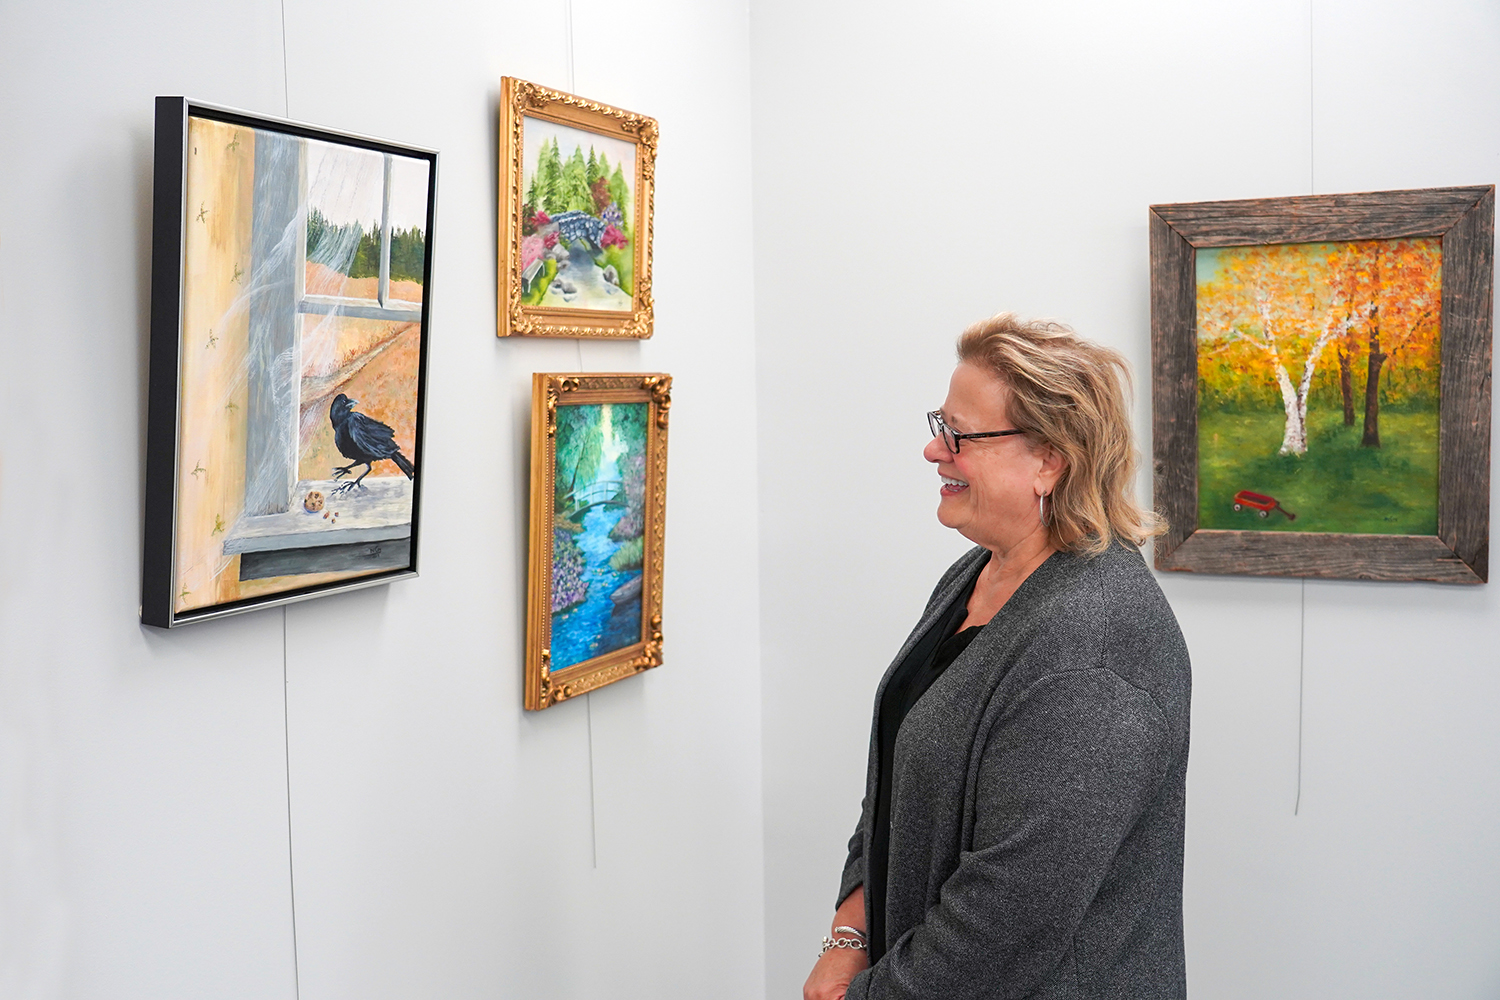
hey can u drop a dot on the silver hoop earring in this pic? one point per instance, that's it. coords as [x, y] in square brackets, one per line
[1041, 510]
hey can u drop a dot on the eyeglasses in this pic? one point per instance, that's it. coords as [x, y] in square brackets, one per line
[953, 438]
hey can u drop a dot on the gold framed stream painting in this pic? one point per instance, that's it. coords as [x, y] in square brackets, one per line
[598, 523]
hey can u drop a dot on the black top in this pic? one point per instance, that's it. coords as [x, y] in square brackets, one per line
[923, 665]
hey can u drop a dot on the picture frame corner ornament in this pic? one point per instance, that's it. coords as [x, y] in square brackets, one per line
[526, 95]
[652, 653]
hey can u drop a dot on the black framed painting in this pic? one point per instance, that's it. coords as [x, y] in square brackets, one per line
[290, 296]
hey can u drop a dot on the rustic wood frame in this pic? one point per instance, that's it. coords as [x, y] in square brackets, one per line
[544, 688]
[520, 100]
[1464, 217]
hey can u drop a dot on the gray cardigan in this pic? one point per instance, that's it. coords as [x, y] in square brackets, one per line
[1037, 801]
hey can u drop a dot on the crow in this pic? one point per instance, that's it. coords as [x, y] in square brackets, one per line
[364, 440]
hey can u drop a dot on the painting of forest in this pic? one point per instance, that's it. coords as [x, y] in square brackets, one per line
[577, 225]
[598, 530]
[1318, 369]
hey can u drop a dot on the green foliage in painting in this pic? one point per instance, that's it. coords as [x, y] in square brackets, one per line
[573, 192]
[619, 190]
[629, 421]
[579, 439]
[366, 263]
[408, 254]
[623, 261]
[354, 250]
[333, 246]
[630, 555]
[321, 235]
[630, 430]
[557, 186]
[544, 186]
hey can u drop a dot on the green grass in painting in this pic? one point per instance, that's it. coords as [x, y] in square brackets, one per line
[629, 555]
[623, 258]
[1337, 486]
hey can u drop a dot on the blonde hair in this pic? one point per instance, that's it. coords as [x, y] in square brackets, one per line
[1069, 393]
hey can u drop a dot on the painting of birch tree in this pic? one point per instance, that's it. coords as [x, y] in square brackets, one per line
[1318, 369]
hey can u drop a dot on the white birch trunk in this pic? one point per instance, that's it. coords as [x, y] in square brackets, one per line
[1307, 373]
[1294, 441]
[1294, 397]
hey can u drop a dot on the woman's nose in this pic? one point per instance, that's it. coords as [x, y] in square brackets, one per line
[937, 450]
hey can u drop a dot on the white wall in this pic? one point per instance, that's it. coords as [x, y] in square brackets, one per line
[163, 797]
[159, 792]
[921, 166]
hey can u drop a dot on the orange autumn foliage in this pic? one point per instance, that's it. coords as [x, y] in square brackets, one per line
[1296, 325]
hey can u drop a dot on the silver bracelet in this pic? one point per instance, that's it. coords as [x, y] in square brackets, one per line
[844, 929]
[830, 943]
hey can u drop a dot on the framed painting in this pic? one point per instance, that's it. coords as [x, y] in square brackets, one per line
[290, 293]
[575, 216]
[598, 520]
[1321, 384]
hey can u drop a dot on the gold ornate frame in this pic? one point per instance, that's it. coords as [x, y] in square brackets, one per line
[550, 391]
[520, 100]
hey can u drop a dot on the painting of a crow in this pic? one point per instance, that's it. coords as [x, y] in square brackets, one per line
[364, 441]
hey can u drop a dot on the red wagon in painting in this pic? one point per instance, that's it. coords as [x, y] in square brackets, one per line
[1261, 504]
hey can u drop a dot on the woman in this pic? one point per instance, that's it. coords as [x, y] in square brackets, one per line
[1021, 834]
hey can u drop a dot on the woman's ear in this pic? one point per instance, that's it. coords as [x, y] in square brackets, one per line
[1054, 464]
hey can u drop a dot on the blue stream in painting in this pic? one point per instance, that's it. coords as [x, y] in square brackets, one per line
[598, 625]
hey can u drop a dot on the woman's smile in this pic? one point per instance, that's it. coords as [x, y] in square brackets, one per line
[952, 486]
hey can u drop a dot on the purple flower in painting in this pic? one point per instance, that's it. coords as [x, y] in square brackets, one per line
[633, 472]
[568, 584]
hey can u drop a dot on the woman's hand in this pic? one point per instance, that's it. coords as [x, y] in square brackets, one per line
[830, 977]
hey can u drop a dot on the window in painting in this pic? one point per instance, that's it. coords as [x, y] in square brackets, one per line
[338, 266]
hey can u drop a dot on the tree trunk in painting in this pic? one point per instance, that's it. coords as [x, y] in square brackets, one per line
[1294, 397]
[1372, 390]
[1294, 441]
[1346, 387]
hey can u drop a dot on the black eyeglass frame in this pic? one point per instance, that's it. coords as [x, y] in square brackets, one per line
[952, 438]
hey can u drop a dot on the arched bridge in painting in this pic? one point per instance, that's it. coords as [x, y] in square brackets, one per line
[601, 493]
[576, 227]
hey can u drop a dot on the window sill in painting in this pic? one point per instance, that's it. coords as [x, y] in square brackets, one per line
[372, 532]
[397, 310]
